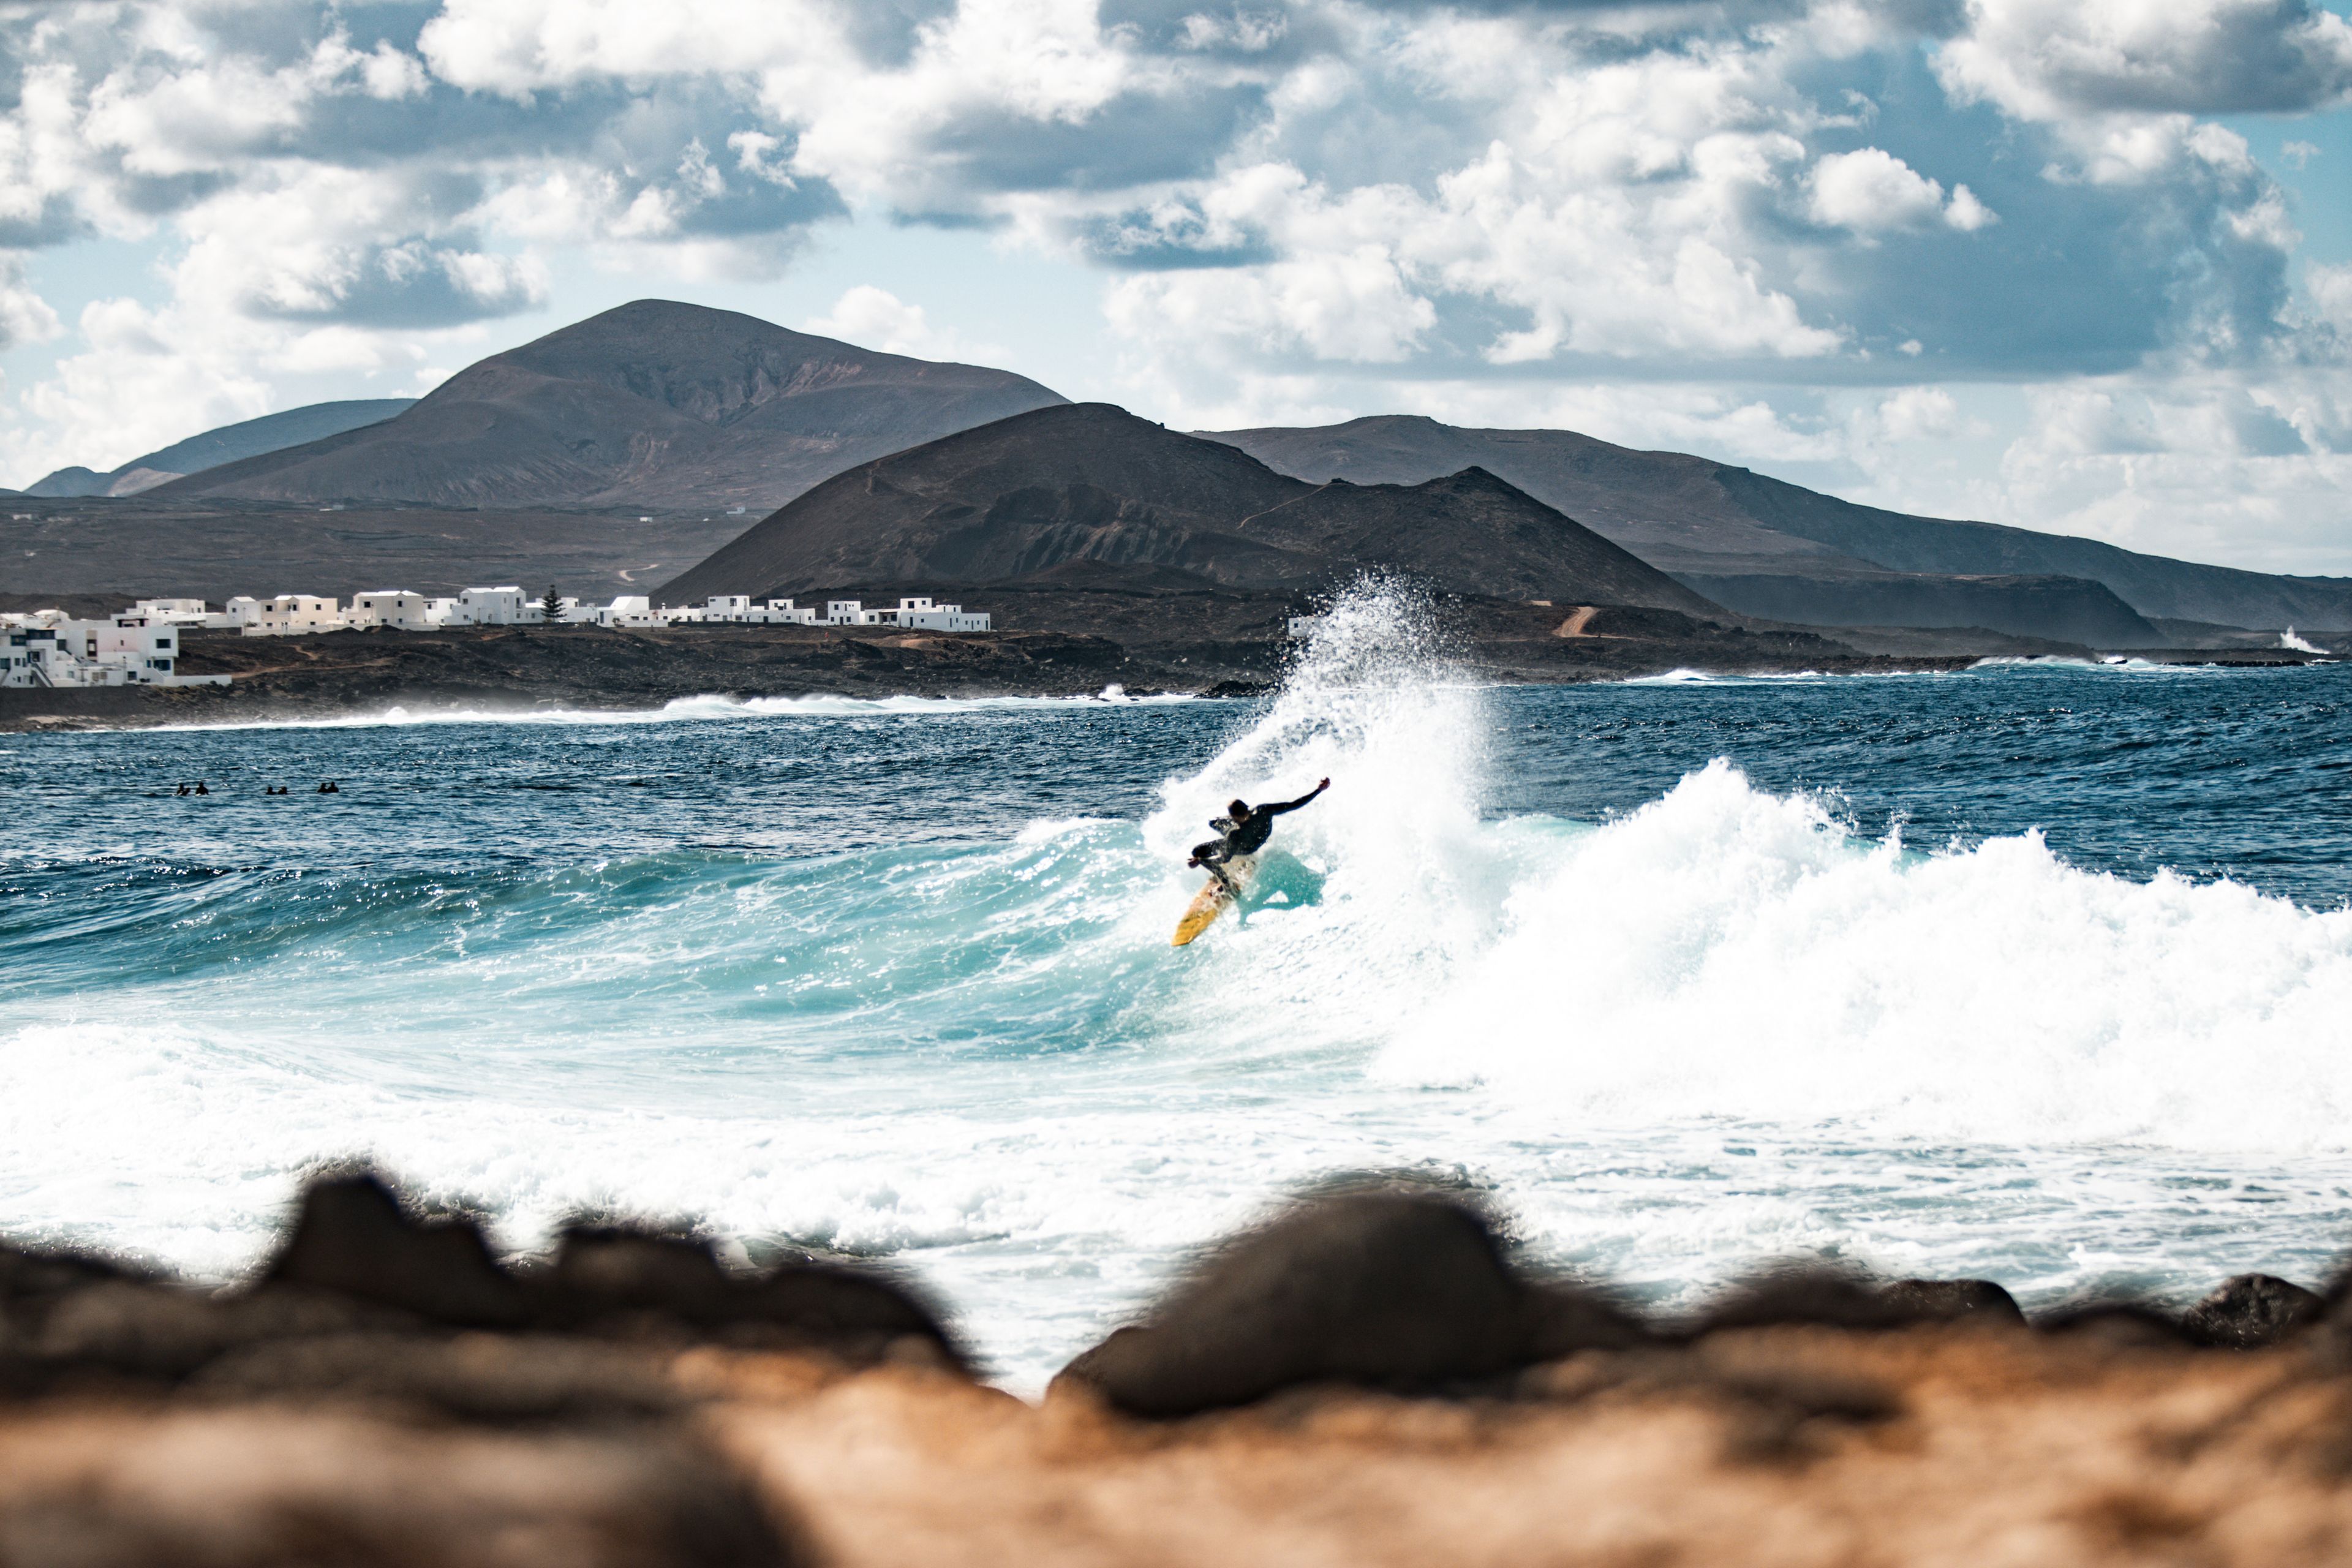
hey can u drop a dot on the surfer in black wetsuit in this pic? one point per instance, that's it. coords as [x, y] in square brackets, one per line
[1244, 830]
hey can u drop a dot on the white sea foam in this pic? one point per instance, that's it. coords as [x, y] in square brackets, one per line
[1728, 953]
[1685, 676]
[2120, 664]
[695, 708]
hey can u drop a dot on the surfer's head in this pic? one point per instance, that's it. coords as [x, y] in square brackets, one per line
[1237, 809]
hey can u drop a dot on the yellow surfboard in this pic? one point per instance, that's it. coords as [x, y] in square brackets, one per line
[1212, 901]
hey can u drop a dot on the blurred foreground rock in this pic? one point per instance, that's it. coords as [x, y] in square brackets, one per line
[1367, 1379]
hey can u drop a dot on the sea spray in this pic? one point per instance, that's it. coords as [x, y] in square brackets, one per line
[1408, 875]
[1728, 953]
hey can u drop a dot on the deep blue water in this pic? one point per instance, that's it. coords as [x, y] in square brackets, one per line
[2037, 973]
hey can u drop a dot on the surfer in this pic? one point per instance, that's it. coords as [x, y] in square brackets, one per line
[1244, 830]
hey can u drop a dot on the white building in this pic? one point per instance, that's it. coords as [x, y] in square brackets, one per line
[844, 613]
[287, 614]
[634, 611]
[33, 655]
[128, 649]
[784, 613]
[398, 609]
[506, 606]
[180, 613]
[924, 616]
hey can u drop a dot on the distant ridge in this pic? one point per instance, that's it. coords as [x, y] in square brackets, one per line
[654, 404]
[228, 444]
[1088, 483]
[1762, 545]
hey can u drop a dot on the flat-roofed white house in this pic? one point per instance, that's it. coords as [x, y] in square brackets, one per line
[291, 615]
[180, 612]
[921, 614]
[396, 608]
[634, 611]
[127, 649]
[504, 607]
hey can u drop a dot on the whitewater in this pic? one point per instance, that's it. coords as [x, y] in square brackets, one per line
[2035, 973]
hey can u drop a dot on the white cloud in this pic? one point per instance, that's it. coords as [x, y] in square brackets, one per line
[1871, 191]
[24, 316]
[1249, 31]
[2190, 468]
[138, 386]
[877, 319]
[2331, 291]
[1966, 213]
[2051, 59]
[517, 47]
[1918, 413]
[1352, 307]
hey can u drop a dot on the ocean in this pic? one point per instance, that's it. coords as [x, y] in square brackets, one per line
[2041, 973]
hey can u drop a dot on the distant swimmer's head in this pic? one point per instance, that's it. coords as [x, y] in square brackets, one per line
[1237, 809]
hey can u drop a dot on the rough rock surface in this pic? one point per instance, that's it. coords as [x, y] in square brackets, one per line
[2252, 1310]
[339, 1409]
[1400, 1291]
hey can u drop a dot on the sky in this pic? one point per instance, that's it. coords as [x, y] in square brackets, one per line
[2075, 265]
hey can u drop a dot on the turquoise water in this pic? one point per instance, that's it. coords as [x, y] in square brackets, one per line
[2038, 972]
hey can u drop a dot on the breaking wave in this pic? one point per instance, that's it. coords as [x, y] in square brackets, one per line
[1721, 1025]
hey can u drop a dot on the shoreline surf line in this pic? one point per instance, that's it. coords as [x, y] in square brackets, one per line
[677, 709]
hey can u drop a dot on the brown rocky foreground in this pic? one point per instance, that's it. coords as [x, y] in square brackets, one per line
[1368, 1379]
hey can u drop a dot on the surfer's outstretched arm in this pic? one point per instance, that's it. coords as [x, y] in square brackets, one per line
[1308, 799]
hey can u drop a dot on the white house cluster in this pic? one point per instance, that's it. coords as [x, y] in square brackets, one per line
[140, 645]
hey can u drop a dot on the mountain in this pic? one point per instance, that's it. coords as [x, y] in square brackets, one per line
[1759, 545]
[249, 438]
[1088, 485]
[1470, 531]
[654, 404]
[2025, 605]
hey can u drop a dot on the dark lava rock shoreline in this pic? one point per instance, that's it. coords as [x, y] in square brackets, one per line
[524, 669]
[1372, 1376]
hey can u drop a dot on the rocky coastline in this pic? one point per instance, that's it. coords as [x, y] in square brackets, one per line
[523, 669]
[1372, 1376]
[1069, 638]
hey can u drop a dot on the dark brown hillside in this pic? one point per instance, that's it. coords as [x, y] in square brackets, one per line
[1759, 544]
[1088, 484]
[655, 404]
[1474, 533]
[1081, 482]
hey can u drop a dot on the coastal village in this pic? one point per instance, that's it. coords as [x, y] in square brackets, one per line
[141, 646]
